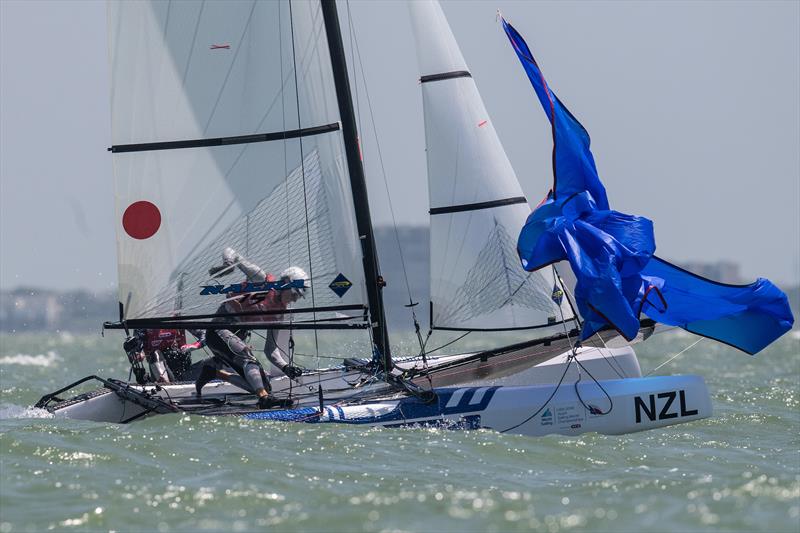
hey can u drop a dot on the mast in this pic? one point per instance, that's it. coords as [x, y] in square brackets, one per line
[358, 183]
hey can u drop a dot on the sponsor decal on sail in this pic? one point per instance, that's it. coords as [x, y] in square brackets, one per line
[558, 294]
[340, 285]
[249, 287]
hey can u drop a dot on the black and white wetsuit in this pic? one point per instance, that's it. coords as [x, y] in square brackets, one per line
[229, 346]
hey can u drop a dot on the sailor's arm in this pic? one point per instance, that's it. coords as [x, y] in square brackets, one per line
[277, 351]
[200, 335]
[251, 270]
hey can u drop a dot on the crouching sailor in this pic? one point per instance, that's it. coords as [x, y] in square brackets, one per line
[166, 352]
[230, 347]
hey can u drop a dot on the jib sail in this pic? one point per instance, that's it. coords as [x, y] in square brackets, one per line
[477, 206]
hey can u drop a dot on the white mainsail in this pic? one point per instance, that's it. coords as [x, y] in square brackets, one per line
[477, 204]
[190, 82]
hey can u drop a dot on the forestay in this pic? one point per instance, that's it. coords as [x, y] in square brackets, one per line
[477, 204]
[219, 141]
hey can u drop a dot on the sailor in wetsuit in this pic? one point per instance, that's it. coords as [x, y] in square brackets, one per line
[229, 347]
[166, 352]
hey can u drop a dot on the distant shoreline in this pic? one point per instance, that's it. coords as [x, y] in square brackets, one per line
[83, 310]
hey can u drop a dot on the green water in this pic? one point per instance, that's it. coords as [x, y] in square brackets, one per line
[739, 470]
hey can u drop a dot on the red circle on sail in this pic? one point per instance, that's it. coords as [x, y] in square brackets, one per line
[141, 220]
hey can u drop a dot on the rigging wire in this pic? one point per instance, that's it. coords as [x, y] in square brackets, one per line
[618, 369]
[446, 344]
[676, 355]
[286, 180]
[305, 195]
[575, 352]
[571, 358]
[552, 394]
[356, 52]
[589, 408]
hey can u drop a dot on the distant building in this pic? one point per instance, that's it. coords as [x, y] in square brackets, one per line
[28, 309]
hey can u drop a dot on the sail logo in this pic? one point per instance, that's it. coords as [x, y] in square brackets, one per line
[250, 287]
[558, 295]
[667, 411]
[547, 418]
[340, 285]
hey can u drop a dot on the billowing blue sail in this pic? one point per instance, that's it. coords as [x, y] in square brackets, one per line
[612, 254]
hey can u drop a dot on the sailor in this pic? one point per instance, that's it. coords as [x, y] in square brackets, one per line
[165, 350]
[230, 347]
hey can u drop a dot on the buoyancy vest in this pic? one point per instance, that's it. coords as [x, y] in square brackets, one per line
[265, 302]
[162, 339]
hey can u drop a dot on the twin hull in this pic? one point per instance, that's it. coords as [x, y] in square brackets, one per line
[621, 402]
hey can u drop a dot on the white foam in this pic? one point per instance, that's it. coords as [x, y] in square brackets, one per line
[17, 411]
[48, 359]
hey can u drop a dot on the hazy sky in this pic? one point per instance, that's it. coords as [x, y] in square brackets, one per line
[693, 109]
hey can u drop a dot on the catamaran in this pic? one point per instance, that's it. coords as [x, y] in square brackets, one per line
[233, 125]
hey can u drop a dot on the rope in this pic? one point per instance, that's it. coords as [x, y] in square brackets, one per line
[305, 195]
[572, 357]
[617, 369]
[566, 368]
[447, 344]
[354, 47]
[578, 394]
[676, 355]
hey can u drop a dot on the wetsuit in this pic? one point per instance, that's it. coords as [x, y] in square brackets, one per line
[172, 345]
[229, 346]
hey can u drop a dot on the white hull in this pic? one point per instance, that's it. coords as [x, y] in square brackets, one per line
[626, 406]
[504, 403]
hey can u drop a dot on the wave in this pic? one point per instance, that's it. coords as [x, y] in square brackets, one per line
[48, 359]
[17, 411]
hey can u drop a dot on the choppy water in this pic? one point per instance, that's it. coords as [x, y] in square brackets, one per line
[739, 470]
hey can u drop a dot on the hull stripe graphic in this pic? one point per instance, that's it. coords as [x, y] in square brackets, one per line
[455, 399]
[478, 396]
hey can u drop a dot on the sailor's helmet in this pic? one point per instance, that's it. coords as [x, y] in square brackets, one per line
[293, 274]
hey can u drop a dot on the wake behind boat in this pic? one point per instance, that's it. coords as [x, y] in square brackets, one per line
[254, 147]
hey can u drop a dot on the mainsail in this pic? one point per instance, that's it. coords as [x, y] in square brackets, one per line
[226, 133]
[477, 206]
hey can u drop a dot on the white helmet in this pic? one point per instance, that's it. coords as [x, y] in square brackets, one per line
[294, 273]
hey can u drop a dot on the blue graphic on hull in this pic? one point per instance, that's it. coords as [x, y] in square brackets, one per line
[304, 414]
[409, 411]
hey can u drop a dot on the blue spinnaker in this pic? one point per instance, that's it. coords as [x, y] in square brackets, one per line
[612, 254]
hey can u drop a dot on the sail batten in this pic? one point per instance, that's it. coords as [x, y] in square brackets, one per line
[477, 206]
[445, 76]
[222, 141]
[240, 326]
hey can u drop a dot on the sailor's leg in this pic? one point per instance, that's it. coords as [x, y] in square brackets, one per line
[207, 372]
[256, 378]
[234, 352]
[212, 366]
[237, 380]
